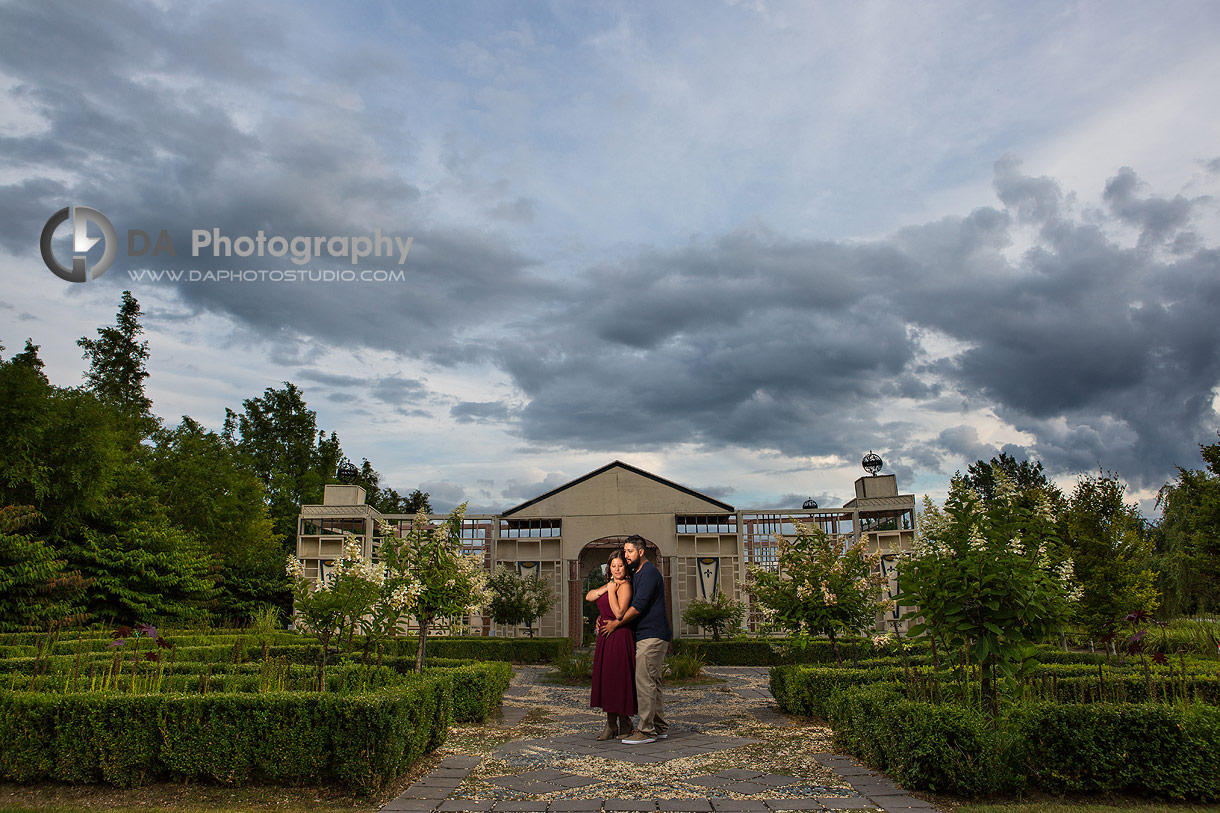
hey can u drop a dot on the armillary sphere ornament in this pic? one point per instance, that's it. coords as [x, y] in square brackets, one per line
[810, 504]
[871, 463]
[347, 473]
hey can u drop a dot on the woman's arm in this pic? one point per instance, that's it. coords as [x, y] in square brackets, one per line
[593, 594]
[620, 599]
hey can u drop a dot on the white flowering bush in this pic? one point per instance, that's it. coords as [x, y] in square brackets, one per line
[428, 578]
[332, 604]
[986, 582]
[823, 586]
[422, 575]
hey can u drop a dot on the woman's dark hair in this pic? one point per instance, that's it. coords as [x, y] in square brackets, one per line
[618, 554]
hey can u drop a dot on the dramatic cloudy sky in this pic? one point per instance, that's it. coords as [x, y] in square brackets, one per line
[738, 244]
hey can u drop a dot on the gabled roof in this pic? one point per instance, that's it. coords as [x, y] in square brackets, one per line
[618, 464]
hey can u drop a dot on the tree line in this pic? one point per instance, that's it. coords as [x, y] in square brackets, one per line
[1125, 563]
[109, 516]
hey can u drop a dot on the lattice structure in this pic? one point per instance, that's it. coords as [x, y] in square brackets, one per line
[760, 548]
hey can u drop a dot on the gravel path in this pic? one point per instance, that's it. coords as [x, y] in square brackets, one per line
[729, 749]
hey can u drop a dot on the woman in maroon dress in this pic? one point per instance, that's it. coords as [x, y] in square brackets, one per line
[614, 655]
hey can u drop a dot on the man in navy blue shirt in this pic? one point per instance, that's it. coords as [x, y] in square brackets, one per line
[648, 615]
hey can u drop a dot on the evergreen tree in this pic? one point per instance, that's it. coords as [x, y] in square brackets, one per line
[1028, 478]
[117, 367]
[143, 567]
[29, 358]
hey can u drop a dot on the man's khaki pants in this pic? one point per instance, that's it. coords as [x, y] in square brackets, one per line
[649, 661]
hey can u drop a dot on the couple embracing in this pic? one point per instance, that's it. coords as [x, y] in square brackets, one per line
[633, 635]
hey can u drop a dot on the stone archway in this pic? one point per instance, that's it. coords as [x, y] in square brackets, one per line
[593, 557]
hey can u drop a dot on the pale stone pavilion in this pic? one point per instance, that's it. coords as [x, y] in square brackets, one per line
[701, 545]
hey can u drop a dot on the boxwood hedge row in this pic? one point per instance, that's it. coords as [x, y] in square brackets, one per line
[361, 740]
[1153, 749]
[399, 653]
[806, 690]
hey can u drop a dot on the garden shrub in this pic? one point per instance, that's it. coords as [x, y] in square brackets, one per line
[805, 690]
[1149, 749]
[477, 687]
[361, 741]
[686, 665]
[514, 650]
[941, 748]
[1170, 752]
[768, 651]
[370, 725]
[574, 666]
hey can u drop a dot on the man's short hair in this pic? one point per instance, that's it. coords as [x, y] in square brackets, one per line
[636, 541]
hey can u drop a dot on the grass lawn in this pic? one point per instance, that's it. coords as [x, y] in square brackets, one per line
[176, 797]
[1082, 806]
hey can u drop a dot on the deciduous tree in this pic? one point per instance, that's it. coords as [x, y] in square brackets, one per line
[515, 600]
[1112, 548]
[279, 436]
[207, 489]
[984, 580]
[1189, 537]
[37, 590]
[824, 585]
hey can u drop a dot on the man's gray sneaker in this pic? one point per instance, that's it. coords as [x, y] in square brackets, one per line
[639, 738]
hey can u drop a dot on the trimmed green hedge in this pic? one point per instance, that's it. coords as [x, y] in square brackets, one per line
[1158, 750]
[477, 687]
[807, 690]
[946, 749]
[513, 650]
[361, 741]
[400, 653]
[197, 678]
[1170, 752]
[770, 651]
[363, 733]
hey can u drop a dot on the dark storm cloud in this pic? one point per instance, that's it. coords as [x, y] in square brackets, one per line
[480, 412]
[1157, 218]
[790, 500]
[148, 119]
[1100, 352]
[1103, 353]
[964, 442]
[518, 491]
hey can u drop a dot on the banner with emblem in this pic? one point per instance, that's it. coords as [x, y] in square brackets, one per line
[889, 569]
[326, 571]
[709, 576]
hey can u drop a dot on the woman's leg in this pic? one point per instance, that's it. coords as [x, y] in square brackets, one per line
[611, 730]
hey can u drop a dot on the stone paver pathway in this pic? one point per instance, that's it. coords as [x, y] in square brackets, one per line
[729, 750]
